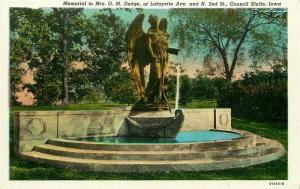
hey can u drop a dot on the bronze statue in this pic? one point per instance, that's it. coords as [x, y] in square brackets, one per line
[149, 48]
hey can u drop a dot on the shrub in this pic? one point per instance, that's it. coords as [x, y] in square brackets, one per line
[260, 96]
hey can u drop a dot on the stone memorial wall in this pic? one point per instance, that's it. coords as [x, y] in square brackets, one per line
[36, 127]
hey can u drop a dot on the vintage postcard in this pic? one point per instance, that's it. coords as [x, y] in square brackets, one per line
[145, 93]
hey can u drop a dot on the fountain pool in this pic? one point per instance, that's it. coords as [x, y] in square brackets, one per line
[182, 137]
[95, 141]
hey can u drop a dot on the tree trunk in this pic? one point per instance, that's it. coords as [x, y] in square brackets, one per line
[66, 83]
[222, 49]
[238, 47]
[228, 76]
[66, 61]
[226, 66]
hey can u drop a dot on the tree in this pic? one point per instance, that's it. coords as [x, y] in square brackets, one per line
[29, 36]
[203, 87]
[105, 41]
[185, 90]
[19, 53]
[122, 88]
[51, 40]
[226, 33]
[208, 69]
[170, 83]
[258, 95]
[67, 24]
[220, 85]
[272, 50]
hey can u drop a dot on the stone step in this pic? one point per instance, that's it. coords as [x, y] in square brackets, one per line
[244, 142]
[153, 165]
[149, 155]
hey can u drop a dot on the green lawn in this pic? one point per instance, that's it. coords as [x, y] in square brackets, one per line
[276, 170]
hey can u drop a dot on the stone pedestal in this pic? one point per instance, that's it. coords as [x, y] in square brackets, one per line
[36, 127]
[154, 124]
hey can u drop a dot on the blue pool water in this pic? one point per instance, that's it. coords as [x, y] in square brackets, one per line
[182, 137]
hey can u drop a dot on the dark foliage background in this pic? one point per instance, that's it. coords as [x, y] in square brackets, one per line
[259, 96]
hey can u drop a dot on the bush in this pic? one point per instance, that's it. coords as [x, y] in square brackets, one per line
[260, 96]
[185, 90]
[121, 88]
[207, 88]
[94, 97]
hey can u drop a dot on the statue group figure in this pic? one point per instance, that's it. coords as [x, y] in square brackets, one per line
[149, 48]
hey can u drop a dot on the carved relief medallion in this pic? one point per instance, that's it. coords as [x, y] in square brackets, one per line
[35, 127]
[223, 119]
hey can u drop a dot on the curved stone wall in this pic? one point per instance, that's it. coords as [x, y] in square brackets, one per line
[36, 127]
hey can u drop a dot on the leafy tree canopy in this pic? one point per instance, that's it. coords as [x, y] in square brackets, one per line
[229, 34]
[51, 40]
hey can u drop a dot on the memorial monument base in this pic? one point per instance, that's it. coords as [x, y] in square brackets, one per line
[154, 124]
